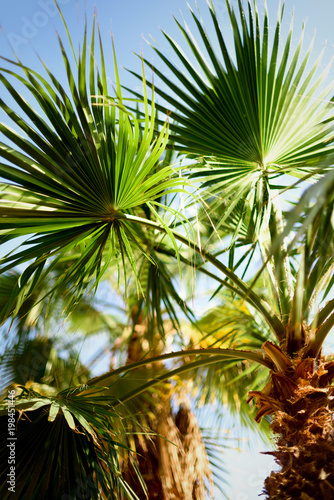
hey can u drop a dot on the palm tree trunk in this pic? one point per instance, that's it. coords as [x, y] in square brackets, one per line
[173, 462]
[302, 405]
[174, 465]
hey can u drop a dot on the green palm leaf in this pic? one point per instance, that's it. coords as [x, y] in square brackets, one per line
[246, 117]
[79, 167]
[24, 311]
[41, 360]
[70, 448]
[251, 111]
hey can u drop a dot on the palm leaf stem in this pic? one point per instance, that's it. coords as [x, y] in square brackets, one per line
[323, 314]
[173, 373]
[222, 354]
[316, 343]
[242, 289]
[280, 257]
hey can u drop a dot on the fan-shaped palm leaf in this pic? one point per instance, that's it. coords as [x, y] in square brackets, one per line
[252, 112]
[70, 448]
[247, 117]
[79, 166]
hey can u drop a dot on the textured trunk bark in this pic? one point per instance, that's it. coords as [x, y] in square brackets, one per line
[301, 401]
[173, 469]
[305, 447]
[175, 465]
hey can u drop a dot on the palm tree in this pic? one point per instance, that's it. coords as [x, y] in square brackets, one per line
[82, 180]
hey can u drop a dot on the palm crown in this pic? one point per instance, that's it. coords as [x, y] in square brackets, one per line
[94, 184]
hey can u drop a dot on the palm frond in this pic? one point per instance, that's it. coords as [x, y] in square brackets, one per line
[252, 110]
[74, 170]
[70, 448]
[42, 360]
[231, 324]
[25, 313]
[245, 116]
[309, 225]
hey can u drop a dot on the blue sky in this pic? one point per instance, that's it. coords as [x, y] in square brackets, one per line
[30, 26]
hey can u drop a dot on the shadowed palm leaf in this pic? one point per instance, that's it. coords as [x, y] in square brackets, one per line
[70, 448]
[85, 185]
